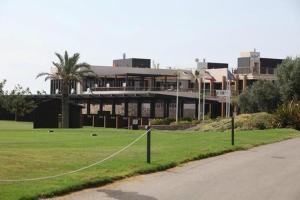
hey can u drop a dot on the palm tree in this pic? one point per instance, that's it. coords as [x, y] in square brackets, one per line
[67, 69]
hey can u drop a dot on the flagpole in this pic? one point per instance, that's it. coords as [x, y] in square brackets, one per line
[177, 97]
[203, 80]
[199, 99]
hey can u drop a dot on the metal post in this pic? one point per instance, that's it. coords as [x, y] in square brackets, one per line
[177, 97]
[232, 130]
[148, 144]
[199, 99]
[203, 110]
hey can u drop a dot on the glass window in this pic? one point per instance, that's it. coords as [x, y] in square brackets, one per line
[263, 70]
[270, 70]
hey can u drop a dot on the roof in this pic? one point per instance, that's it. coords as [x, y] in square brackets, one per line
[71, 103]
[219, 73]
[112, 71]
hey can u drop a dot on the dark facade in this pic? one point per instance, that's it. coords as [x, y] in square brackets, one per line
[132, 62]
[268, 65]
[243, 65]
[48, 115]
[211, 65]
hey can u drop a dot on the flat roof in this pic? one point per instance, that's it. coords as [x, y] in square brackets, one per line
[115, 71]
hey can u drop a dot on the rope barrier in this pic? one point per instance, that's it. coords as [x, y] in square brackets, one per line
[77, 170]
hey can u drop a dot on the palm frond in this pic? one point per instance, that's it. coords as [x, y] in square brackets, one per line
[66, 57]
[43, 74]
[81, 66]
[61, 59]
[86, 72]
[50, 77]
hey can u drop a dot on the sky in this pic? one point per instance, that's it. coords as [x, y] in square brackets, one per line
[171, 32]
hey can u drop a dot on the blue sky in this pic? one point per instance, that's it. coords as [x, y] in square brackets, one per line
[172, 32]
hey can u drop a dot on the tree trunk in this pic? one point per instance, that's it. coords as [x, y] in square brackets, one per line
[65, 105]
[16, 116]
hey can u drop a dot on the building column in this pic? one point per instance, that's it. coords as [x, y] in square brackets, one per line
[166, 108]
[101, 107]
[211, 88]
[88, 107]
[181, 105]
[126, 108]
[223, 88]
[236, 84]
[152, 109]
[113, 108]
[139, 109]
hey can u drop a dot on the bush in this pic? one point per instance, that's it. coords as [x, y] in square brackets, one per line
[164, 121]
[181, 122]
[194, 122]
[262, 120]
[243, 122]
[288, 115]
[186, 119]
[262, 96]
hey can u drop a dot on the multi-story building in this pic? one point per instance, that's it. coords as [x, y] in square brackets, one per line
[251, 67]
[132, 89]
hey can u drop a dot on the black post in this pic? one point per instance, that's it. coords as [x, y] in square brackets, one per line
[148, 144]
[232, 130]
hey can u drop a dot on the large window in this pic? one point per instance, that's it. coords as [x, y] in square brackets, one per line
[263, 70]
[271, 70]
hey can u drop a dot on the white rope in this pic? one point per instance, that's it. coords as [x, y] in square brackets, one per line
[77, 170]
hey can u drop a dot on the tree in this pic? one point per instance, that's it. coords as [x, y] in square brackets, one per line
[16, 102]
[246, 103]
[262, 96]
[288, 73]
[2, 83]
[67, 69]
[43, 92]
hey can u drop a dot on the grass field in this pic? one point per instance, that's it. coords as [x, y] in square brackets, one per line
[29, 153]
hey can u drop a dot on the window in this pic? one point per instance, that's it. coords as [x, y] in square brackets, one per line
[263, 70]
[270, 70]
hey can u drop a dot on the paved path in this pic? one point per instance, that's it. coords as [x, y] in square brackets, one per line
[262, 173]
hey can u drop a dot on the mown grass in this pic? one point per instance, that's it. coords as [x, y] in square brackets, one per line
[29, 153]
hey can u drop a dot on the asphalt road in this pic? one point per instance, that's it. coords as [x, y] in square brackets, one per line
[265, 172]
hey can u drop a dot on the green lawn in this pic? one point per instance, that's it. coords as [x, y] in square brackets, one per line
[28, 153]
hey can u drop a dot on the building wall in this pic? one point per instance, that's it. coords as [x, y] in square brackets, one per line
[211, 65]
[132, 62]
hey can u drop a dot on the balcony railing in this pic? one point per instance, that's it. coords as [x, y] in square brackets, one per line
[208, 92]
[144, 89]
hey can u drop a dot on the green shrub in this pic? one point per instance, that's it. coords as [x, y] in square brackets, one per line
[261, 120]
[181, 122]
[194, 122]
[186, 119]
[164, 121]
[243, 122]
[288, 115]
